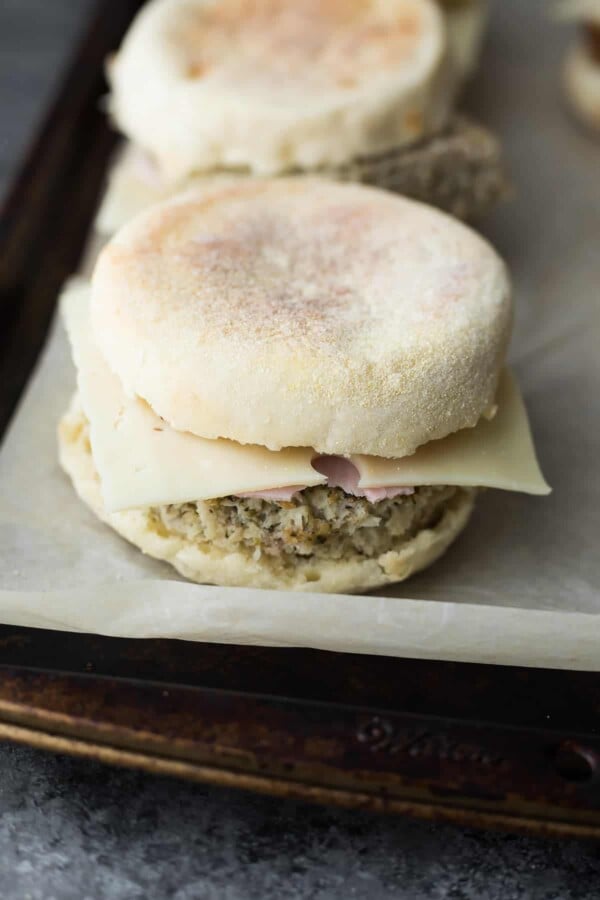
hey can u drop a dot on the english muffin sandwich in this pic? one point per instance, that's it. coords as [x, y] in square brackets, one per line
[355, 90]
[582, 63]
[293, 383]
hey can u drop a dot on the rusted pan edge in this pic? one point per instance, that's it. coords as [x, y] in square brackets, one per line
[430, 768]
[294, 790]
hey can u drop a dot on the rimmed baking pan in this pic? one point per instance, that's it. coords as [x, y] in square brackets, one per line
[482, 745]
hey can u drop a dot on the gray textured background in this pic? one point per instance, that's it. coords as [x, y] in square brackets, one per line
[73, 830]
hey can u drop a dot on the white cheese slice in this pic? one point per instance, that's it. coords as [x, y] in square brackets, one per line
[142, 461]
[497, 453]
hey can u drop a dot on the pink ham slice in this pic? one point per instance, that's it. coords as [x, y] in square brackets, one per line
[340, 472]
[343, 473]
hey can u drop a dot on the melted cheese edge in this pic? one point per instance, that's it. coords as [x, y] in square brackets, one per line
[497, 453]
[142, 461]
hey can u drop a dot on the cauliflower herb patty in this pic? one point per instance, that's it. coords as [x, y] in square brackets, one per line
[318, 522]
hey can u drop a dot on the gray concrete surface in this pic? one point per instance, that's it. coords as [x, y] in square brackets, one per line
[74, 830]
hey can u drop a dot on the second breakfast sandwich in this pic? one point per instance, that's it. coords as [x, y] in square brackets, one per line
[293, 383]
[356, 91]
[581, 72]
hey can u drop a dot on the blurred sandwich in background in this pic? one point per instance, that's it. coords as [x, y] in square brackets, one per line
[581, 73]
[352, 90]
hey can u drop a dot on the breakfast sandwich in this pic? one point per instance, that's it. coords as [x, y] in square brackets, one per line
[351, 90]
[293, 383]
[581, 71]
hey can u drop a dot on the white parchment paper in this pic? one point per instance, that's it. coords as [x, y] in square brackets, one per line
[521, 586]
